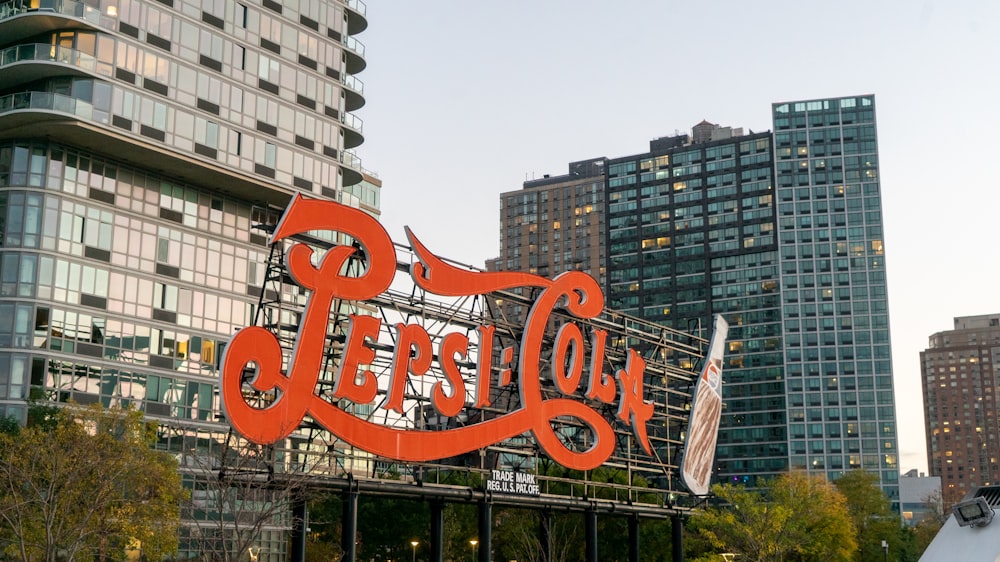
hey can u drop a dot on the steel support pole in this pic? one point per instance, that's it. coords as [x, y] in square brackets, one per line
[633, 538]
[677, 537]
[437, 531]
[485, 545]
[590, 517]
[349, 526]
[300, 522]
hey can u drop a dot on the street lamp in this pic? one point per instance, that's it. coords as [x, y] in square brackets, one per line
[473, 542]
[414, 544]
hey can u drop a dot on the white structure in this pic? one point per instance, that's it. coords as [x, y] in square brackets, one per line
[919, 496]
[969, 533]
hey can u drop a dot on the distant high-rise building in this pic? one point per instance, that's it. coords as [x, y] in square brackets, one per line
[555, 223]
[781, 233]
[145, 149]
[959, 370]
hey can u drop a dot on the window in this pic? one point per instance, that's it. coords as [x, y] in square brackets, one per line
[165, 297]
[268, 69]
[239, 57]
[270, 29]
[158, 23]
[206, 133]
[209, 88]
[155, 68]
[211, 45]
[270, 155]
[216, 8]
[153, 114]
[128, 57]
[241, 16]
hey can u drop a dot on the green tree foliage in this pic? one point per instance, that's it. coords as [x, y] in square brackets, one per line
[85, 484]
[387, 525]
[927, 527]
[10, 426]
[872, 517]
[797, 518]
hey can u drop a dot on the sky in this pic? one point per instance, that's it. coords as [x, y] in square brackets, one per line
[467, 99]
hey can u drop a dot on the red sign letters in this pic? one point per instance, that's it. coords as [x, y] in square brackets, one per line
[258, 350]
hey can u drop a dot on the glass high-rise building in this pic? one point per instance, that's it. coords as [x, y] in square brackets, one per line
[143, 145]
[838, 360]
[781, 233]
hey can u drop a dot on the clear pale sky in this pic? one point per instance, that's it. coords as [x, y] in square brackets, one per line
[468, 98]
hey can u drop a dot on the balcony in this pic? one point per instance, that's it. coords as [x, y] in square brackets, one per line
[354, 92]
[52, 103]
[351, 167]
[352, 130]
[355, 51]
[356, 16]
[26, 18]
[17, 68]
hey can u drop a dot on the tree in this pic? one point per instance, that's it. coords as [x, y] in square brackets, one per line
[927, 527]
[10, 426]
[518, 535]
[796, 518]
[243, 497]
[872, 516]
[85, 485]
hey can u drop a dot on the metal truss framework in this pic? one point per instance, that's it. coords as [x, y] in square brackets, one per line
[630, 480]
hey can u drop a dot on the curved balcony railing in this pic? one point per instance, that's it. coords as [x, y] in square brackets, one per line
[350, 160]
[64, 7]
[58, 103]
[46, 52]
[357, 20]
[354, 45]
[358, 6]
[352, 121]
[353, 83]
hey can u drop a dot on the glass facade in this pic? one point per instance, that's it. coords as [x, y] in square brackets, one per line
[833, 285]
[144, 149]
[691, 234]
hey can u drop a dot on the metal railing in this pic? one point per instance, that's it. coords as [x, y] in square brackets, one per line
[350, 160]
[352, 121]
[64, 7]
[358, 6]
[53, 53]
[59, 103]
[353, 83]
[354, 45]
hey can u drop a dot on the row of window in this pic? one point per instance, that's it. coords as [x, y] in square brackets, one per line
[101, 181]
[828, 105]
[134, 244]
[51, 278]
[169, 28]
[863, 369]
[165, 123]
